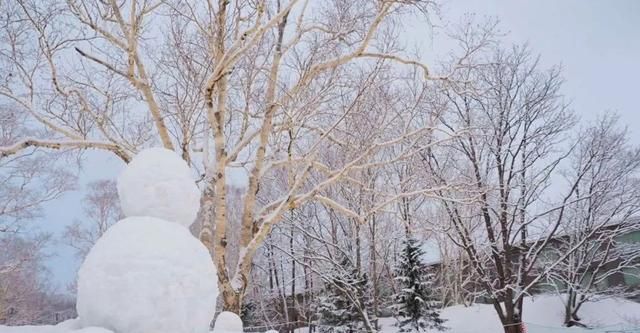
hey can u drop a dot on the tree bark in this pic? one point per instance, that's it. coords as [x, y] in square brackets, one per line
[231, 299]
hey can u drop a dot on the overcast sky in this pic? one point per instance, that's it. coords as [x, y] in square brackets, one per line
[597, 43]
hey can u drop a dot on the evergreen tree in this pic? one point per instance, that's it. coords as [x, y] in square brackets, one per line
[414, 300]
[346, 292]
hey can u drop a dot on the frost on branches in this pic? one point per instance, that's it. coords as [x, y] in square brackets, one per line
[345, 306]
[415, 304]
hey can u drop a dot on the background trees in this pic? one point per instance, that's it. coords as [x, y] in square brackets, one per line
[27, 181]
[318, 145]
[415, 300]
[255, 87]
[515, 124]
[596, 229]
[102, 209]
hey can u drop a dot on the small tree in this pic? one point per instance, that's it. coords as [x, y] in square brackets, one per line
[346, 300]
[101, 210]
[414, 300]
[598, 227]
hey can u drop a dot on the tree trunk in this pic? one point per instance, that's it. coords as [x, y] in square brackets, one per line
[513, 328]
[571, 310]
[374, 272]
[3, 318]
[231, 299]
[510, 317]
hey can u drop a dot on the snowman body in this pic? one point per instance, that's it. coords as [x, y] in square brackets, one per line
[147, 273]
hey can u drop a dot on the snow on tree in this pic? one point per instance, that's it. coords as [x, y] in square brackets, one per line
[146, 273]
[344, 305]
[28, 179]
[23, 284]
[414, 301]
[101, 208]
[504, 213]
[111, 85]
[595, 228]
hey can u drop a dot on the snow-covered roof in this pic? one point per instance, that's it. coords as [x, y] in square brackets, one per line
[431, 252]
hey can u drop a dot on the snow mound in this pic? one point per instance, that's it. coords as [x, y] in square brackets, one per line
[158, 183]
[147, 275]
[228, 322]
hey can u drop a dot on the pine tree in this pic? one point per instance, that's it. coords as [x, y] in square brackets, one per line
[345, 293]
[414, 301]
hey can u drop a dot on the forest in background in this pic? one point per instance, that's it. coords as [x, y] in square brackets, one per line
[356, 156]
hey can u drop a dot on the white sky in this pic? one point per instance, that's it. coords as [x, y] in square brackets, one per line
[596, 41]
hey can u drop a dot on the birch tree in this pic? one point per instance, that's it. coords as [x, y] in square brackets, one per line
[235, 87]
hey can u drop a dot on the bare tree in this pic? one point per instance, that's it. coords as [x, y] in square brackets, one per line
[27, 181]
[596, 226]
[101, 210]
[23, 284]
[228, 84]
[516, 123]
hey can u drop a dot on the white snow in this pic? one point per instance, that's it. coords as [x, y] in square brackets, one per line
[147, 275]
[92, 330]
[542, 313]
[431, 252]
[158, 183]
[50, 329]
[69, 326]
[228, 322]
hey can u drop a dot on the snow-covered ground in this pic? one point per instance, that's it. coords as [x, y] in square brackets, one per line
[542, 314]
[148, 274]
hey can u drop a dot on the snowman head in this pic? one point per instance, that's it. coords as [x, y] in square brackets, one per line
[158, 183]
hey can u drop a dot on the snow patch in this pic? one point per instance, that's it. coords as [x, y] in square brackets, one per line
[542, 314]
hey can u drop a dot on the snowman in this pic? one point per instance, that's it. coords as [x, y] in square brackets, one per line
[228, 322]
[147, 273]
